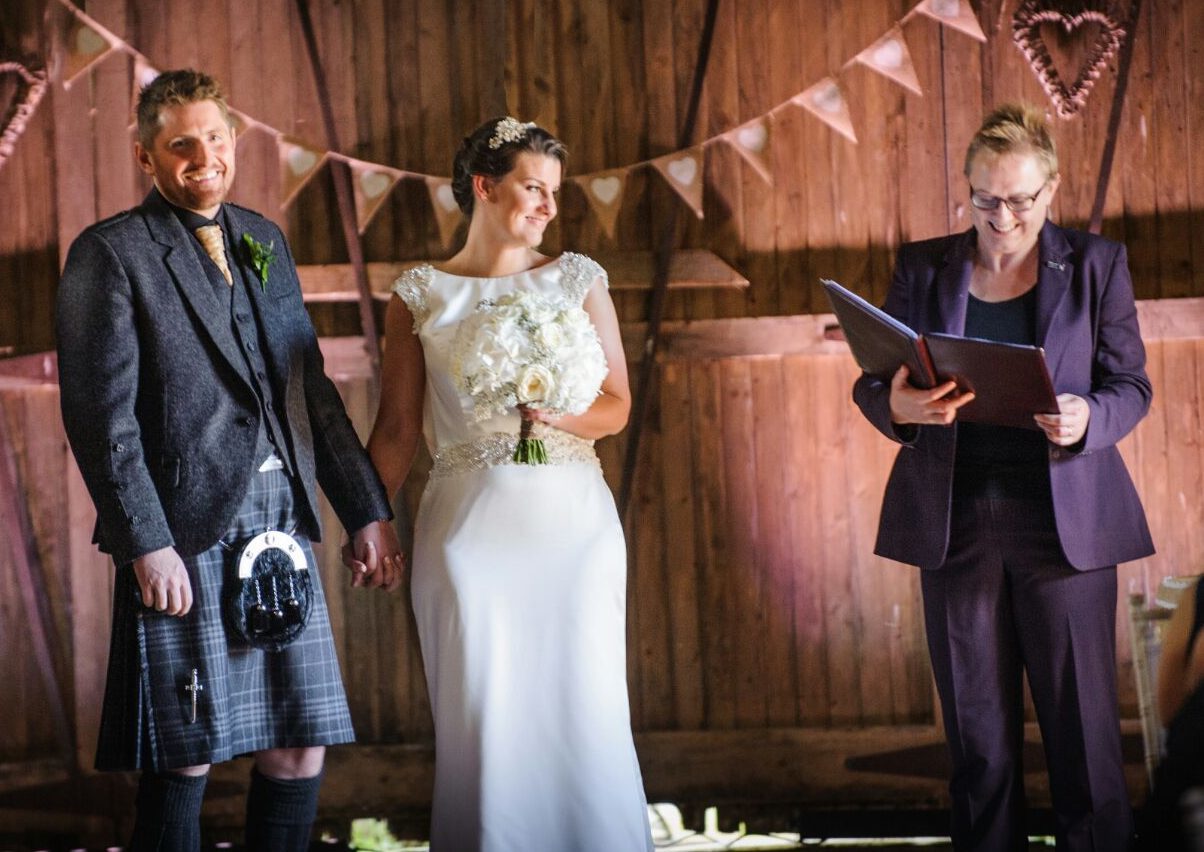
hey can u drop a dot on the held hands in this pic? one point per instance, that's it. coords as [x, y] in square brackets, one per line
[374, 557]
[935, 406]
[1069, 425]
[164, 581]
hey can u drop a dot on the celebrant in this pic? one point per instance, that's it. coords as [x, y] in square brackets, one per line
[1019, 530]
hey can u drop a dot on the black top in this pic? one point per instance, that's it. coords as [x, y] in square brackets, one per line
[1003, 459]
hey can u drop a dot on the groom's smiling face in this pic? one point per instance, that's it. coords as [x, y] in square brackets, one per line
[192, 157]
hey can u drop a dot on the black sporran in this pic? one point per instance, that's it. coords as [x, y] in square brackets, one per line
[268, 599]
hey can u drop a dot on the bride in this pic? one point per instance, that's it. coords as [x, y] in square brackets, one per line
[519, 570]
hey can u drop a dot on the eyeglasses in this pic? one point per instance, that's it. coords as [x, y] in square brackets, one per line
[1017, 203]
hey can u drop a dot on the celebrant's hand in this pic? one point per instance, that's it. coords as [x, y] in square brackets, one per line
[937, 405]
[1069, 425]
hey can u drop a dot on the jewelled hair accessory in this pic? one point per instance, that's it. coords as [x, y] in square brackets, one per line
[509, 129]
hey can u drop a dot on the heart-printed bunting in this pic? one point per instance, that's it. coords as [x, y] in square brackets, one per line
[752, 137]
[751, 142]
[88, 41]
[604, 192]
[443, 204]
[374, 183]
[446, 198]
[606, 189]
[825, 101]
[298, 165]
[683, 170]
[888, 54]
[300, 160]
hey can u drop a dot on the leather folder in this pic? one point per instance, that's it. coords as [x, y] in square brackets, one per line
[1010, 381]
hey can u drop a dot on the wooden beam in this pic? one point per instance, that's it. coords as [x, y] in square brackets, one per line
[335, 282]
[820, 334]
[34, 369]
[1171, 319]
[18, 775]
[691, 269]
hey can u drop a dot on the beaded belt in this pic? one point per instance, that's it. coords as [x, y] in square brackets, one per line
[497, 448]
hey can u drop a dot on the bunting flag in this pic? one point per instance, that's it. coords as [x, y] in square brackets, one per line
[953, 13]
[683, 172]
[87, 43]
[447, 211]
[890, 57]
[604, 190]
[143, 75]
[827, 103]
[298, 163]
[243, 123]
[371, 184]
[751, 141]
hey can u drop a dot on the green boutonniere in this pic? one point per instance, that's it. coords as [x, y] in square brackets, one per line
[261, 257]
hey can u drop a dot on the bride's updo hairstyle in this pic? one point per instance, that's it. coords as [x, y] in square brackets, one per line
[492, 149]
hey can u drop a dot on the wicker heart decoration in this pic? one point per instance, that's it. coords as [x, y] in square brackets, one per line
[15, 111]
[1086, 36]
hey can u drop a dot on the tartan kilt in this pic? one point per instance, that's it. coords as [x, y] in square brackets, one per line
[250, 699]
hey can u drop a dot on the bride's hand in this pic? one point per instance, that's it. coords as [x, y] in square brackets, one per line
[538, 415]
[373, 555]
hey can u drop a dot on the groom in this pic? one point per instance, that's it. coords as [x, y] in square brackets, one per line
[195, 401]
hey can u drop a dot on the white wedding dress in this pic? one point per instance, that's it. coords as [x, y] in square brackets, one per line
[519, 587]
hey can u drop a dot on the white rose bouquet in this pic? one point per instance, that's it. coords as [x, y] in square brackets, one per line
[528, 348]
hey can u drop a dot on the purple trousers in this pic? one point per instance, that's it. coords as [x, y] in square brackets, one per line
[1004, 603]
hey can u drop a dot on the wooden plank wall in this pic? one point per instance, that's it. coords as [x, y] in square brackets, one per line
[755, 603]
[758, 617]
[409, 79]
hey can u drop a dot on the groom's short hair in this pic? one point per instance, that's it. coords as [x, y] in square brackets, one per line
[174, 88]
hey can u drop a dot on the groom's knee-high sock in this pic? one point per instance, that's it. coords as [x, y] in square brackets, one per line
[281, 812]
[168, 813]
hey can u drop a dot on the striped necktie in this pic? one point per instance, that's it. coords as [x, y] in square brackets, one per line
[215, 246]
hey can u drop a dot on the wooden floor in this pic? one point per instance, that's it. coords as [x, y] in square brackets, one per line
[832, 831]
[747, 843]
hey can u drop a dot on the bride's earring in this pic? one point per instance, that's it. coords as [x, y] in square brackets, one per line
[482, 187]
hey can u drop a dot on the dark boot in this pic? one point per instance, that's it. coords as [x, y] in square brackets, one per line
[168, 813]
[281, 812]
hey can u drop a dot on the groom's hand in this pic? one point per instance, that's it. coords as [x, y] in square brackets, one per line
[163, 581]
[374, 557]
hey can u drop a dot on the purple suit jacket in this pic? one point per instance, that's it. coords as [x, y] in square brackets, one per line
[1087, 323]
